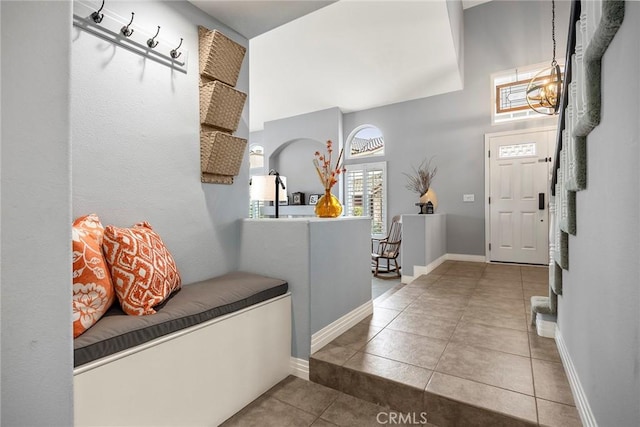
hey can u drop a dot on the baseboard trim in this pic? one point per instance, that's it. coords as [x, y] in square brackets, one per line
[299, 368]
[419, 270]
[407, 279]
[465, 257]
[582, 404]
[327, 334]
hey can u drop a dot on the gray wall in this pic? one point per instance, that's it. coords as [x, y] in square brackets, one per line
[280, 248]
[318, 126]
[424, 240]
[135, 156]
[294, 161]
[136, 148]
[36, 216]
[599, 312]
[336, 292]
[307, 254]
[451, 126]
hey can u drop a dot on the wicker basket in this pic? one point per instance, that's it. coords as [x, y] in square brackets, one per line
[221, 153]
[221, 106]
[211, 178]
[220, 57]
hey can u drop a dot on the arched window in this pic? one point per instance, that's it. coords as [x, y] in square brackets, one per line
[364, 141]
[366, 182]
[256, 167]
[256, 157]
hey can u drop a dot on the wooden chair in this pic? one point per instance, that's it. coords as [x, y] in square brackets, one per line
[387, 248]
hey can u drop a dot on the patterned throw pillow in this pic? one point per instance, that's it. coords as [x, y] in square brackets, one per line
[143, 271]
[93, 291]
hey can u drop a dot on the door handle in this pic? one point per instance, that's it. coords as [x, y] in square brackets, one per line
[541, 201]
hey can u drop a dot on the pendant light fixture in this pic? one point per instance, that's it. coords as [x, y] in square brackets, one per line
[544, 89]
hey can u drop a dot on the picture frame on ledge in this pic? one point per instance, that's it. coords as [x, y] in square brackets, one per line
[297, 198]
[313, 199]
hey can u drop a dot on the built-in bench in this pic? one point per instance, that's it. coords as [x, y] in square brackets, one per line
[213, 347]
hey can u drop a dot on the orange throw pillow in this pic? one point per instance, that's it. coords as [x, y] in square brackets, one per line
[93, 291]
[143, 271]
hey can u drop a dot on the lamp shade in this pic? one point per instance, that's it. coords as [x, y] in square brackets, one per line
[263, 188]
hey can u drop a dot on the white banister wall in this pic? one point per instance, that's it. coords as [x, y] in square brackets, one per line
[327, 263]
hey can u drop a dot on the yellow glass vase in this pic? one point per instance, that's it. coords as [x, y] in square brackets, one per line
[328, 206]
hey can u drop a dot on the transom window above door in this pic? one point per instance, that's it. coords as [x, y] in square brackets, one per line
[509, 94]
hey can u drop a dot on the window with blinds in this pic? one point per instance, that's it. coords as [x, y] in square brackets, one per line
[366, 194]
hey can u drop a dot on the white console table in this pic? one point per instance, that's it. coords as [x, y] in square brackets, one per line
[424, 243]
[327, 263]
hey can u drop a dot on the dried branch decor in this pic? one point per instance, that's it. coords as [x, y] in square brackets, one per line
[420, 180]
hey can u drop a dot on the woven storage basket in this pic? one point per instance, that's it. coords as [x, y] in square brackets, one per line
[220, 57]
[221, 153]
[221, 106]
[211, 178]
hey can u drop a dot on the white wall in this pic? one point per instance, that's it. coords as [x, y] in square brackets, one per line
[599, 311]
[36, 218]
[136, 148]
[456, 17]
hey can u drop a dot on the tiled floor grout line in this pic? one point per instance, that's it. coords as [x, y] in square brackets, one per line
[449, 340]
[490, 385]
[435, 367]
[478, 382]
[326, 409]
[533, 380]
[300, 409]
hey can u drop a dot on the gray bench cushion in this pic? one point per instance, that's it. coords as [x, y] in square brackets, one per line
[193, 304]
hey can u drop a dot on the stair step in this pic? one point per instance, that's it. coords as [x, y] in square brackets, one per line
[414, 403]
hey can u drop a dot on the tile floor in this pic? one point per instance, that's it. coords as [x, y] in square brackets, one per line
[299, 403]
[454, 347]
[457, 344]
[380, 285]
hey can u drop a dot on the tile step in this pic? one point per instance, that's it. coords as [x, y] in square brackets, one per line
[440, 411]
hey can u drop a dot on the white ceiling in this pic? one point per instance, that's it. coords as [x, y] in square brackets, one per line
[306, 56]
[252, 18]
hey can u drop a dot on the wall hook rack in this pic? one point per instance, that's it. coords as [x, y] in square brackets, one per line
[174, 52]
[126, 31]
[151, 42]
[119, 31]
[97, 16]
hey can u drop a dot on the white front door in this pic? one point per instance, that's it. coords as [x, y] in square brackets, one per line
[519, 173]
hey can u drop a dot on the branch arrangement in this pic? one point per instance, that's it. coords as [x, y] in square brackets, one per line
[327, 173]
[420, 181]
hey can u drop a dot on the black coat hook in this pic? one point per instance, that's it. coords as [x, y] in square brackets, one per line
[174, 52]
[97, 16]
[151, 42]
[126, 31]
